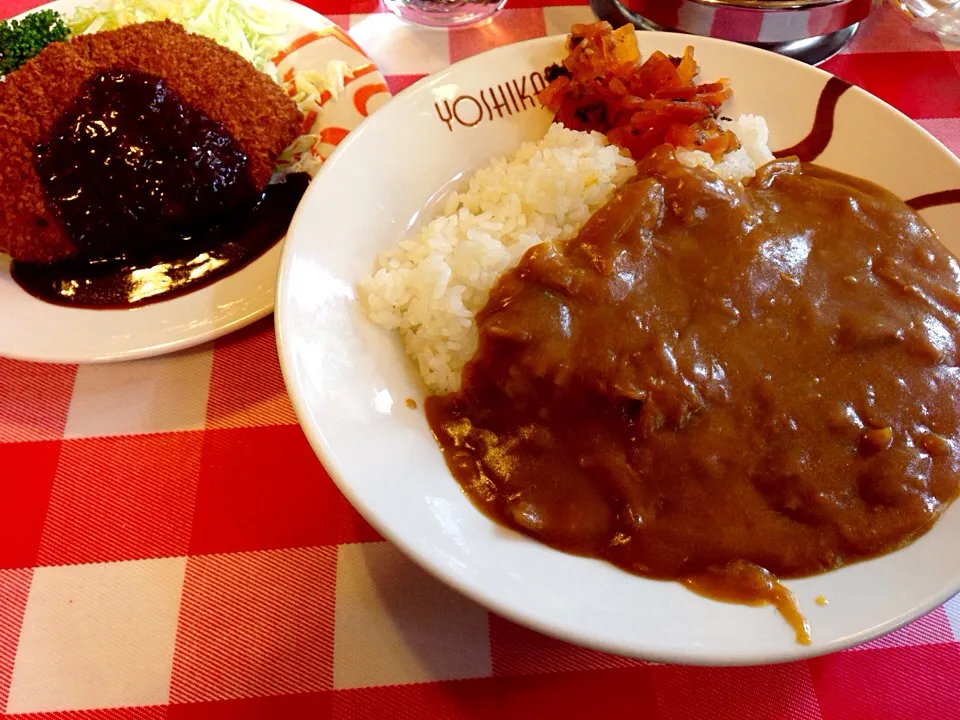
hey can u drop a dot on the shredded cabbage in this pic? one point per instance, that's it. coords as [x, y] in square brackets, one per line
[310, 90]
[245, 27]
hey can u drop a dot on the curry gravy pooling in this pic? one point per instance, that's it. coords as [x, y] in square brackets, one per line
[719, 384]
[149, 273]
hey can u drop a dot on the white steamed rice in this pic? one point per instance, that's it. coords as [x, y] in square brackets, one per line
[430, 287]
[740, 164]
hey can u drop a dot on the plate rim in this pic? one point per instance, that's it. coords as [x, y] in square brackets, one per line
[191, 339]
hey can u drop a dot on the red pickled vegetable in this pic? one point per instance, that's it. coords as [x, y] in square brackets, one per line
[603, 85]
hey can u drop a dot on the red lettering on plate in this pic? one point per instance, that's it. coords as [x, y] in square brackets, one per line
[500, 104]
[456, 113]
[535, 78]
[522, 93]
[511, 96]
[486, 104]
[449, 116]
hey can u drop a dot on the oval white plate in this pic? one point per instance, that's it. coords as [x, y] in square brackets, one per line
[348, 379]
[31, 329]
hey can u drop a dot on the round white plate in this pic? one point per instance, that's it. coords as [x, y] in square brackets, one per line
[348, 379]
[31, 329]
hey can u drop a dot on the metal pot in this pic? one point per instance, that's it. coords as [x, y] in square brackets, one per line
[810, 30]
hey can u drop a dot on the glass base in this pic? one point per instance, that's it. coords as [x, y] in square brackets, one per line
[938, 16]
[445, 13]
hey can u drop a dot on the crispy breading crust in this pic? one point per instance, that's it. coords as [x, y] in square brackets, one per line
[209, 77]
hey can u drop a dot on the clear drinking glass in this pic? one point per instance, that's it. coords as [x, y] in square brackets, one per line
[444, 13]
[939, 16]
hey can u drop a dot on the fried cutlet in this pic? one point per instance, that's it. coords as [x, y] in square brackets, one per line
[211, 79]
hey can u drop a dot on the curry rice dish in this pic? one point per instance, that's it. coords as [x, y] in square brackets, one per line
[710, 381]
[242, 118]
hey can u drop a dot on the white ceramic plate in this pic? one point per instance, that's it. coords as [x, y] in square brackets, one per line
[31, 329]
[349, 379]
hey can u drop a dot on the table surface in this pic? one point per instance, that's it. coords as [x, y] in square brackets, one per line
[171, 548]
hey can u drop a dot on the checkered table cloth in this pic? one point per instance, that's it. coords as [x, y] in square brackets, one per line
[170, 547]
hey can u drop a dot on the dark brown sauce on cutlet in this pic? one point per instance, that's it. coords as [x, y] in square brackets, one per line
[152, 274]
[155, 194]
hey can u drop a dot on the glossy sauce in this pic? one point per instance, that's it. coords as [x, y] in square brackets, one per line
[164, 270]
[719, 384]
[155, 195]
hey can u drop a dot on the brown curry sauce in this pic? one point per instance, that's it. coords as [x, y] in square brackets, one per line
[719, 384]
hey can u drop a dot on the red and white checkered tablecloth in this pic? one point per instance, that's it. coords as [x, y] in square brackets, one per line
[171, 548]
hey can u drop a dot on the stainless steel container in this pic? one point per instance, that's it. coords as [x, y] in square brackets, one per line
[810, 30]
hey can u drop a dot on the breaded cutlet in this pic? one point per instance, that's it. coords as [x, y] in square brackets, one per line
[209, 77]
